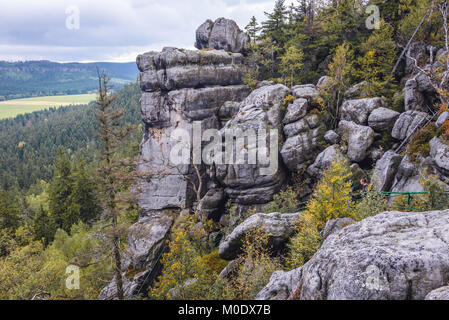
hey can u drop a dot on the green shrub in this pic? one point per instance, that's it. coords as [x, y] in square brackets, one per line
[284, 202]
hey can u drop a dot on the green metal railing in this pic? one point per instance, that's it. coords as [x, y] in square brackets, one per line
[410, 196]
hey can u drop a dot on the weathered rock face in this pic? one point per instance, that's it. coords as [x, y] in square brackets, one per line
[408, 177]
[407, 124]
[301, 149]
[178, 68]
[223, 34]
[392, 256]
[296, 111]
[245, 183]
[333, 226]
[419, 94]
[280, 228]
[383, 119]
[359, 110]
[359, 139]
[439, 294]
[324, 161]
[385, 171]
[439, 152]
[146, 241]
[174, 96]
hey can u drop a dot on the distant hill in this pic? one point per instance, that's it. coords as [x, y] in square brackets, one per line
[46, 78]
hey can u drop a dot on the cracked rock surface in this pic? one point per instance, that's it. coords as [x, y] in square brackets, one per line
[392, 256]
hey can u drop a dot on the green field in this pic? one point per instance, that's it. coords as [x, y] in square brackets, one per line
[12, 108]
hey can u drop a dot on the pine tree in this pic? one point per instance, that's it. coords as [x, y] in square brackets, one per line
[253, 28]
[115, 174]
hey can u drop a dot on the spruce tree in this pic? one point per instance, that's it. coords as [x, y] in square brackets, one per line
[115, 174]
[60, 191]
[252, 29]
[83, 199]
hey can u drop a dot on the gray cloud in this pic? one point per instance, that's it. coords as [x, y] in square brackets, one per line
[110, 30]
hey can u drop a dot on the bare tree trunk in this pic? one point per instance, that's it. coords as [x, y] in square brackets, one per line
[118, 264]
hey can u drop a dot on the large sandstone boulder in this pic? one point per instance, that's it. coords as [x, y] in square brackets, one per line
[279, 227]
[385, 171]
[140, 263]
[324, 161]
[281, 286]
[392, 256]
[296, 111]
[439, 294]
[305, 124]
[247, 183]
[359, 110]
[359, 139]
[439, 152]
[308, 92]
[383, 119]
[408, 177]
[223, 34]
[419, 94]
[301, 149]
[407, 124]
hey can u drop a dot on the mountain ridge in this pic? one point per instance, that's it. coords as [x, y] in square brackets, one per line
[24, 79]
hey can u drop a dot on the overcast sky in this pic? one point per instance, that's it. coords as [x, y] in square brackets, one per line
[109, 30]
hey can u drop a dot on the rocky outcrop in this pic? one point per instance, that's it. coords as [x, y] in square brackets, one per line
[223, 34]
[439, 294]
[359, 110]
[140, 263]
[279, 227]
[439, 152]
[383, 119]
[419, 94]
[324, 161]
[359, 139]
[392, 256]
[407, 124]
[180, 86]
[245, 183]
[385, 171]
